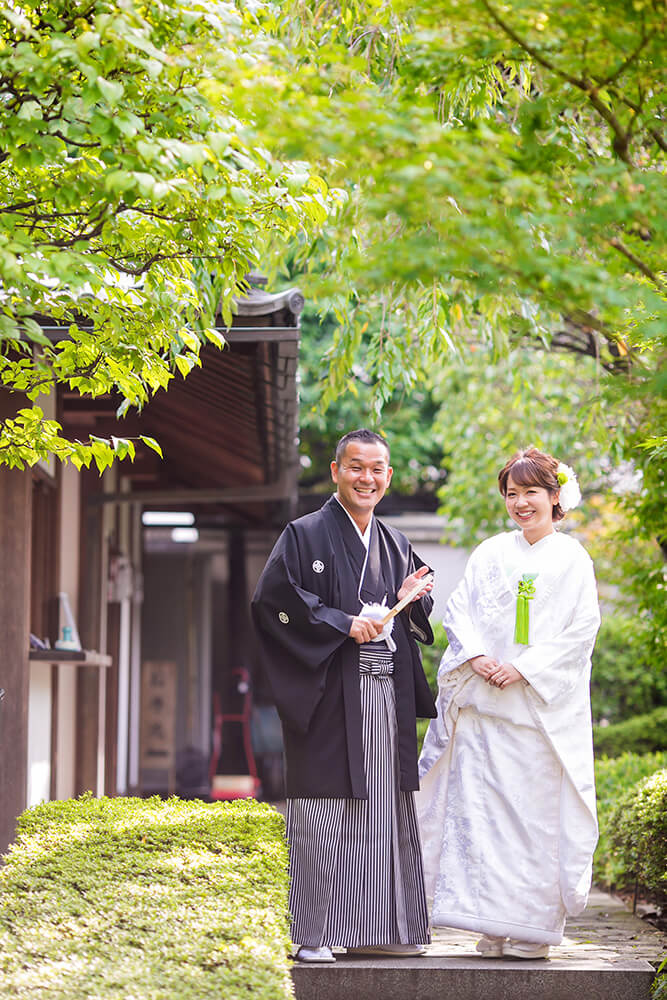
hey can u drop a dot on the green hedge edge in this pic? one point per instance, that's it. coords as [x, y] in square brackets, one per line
[641, 734]
[146, 899]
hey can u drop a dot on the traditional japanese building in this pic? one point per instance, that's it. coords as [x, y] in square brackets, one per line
[158, 559]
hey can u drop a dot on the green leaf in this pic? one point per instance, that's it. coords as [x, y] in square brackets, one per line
[152, 443]
[111, 90]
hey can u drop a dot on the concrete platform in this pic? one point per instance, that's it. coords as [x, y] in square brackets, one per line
[607, 954]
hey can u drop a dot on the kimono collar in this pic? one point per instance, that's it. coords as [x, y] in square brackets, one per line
[527, 546]
[366, 536]
[365, 566]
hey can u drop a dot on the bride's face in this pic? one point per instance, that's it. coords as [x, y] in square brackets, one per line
[530, 507]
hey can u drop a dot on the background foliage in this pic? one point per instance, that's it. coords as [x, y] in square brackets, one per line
[144, 898]
[625, 679]
[135, 194]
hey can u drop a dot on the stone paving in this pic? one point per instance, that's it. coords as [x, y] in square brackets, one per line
[607, 954]
[605, 932]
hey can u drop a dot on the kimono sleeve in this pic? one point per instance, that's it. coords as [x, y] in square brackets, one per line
[554, 667]
[295, 619]
[464, 639]
[419, 611]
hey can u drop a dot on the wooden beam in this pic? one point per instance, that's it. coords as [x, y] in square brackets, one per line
[280, 490]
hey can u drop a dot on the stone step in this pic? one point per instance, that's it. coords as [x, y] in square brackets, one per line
[473, 979]
[606, 954]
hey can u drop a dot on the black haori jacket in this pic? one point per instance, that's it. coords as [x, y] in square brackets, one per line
[303, 609]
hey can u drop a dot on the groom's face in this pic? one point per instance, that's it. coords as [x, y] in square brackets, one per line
[362, 477]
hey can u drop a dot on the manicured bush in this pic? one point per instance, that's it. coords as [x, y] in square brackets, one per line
[625, 680]
[638, 835]
[642, 734]
[131, 898]
[614, 778]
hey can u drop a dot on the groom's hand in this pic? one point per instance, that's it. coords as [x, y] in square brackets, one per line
[364, 629]
[412, 581]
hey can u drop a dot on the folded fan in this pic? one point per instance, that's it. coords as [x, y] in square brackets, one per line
[410, 596]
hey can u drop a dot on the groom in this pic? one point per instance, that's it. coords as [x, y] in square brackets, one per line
[348, 690]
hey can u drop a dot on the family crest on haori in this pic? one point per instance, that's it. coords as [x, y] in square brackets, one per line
[338, 609]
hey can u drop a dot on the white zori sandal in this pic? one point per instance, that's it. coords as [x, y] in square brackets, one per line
[525, 949]
[490, 947]
[308, 954]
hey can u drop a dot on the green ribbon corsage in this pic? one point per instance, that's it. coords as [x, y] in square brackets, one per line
[526, 593]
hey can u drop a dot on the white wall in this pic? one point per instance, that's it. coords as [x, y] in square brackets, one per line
[39, 734]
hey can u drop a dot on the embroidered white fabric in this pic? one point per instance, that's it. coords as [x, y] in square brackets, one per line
[507, 803]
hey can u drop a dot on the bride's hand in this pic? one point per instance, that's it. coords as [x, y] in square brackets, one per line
[504, 675]
[484, 666]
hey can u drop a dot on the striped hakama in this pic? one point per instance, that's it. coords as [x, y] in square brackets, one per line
[356, 875]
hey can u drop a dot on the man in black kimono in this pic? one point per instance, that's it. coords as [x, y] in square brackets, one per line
[349, 690]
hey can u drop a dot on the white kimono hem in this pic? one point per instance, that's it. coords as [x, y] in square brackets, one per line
[498, 928]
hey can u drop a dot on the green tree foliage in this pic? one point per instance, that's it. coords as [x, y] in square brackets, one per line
[503, 165]
[406, 418]
[135, 194]
[490, 406]
[505, 174]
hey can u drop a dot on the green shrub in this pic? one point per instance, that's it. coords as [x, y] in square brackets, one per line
[614, 777]
[638, 835]
[625, 680]
[431, 655]
[659, 984]
[130, 898]
[643, 734]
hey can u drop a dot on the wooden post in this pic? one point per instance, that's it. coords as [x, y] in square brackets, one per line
[15, 524]
[91, 687]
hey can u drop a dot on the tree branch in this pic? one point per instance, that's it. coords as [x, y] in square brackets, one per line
[645, 39]
[73, 142]
[644, 268]
[638, 110]
[531, 50]
[620, 141]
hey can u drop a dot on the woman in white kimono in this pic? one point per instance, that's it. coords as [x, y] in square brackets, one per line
[507, 801]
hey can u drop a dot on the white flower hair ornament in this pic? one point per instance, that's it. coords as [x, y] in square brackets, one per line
[570, 494]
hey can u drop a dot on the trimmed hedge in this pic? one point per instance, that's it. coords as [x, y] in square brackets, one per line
[641, 734]
[146, 899]
[614, 778]
[638, 835]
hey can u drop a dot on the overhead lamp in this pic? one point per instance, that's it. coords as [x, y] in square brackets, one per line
[167, 518]
[184, 535]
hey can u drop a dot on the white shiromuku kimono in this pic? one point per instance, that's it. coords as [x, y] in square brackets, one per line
[507, 802]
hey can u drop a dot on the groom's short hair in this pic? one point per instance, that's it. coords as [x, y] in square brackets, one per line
[363, 435]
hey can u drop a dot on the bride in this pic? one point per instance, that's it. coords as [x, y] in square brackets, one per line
[507, 800]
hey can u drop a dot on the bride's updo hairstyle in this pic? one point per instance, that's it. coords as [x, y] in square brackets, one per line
[533, 468]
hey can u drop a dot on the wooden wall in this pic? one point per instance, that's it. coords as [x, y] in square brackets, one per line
[15, 530]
